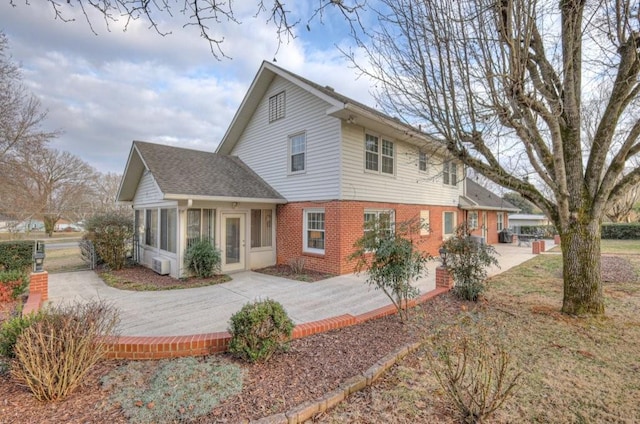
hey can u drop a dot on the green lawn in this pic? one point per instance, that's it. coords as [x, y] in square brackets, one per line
[574, 370]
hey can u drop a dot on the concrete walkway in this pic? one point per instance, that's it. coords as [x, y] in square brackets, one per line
[208, 309]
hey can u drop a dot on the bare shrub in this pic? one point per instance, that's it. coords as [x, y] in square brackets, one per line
[54, 354]
[297, 265]
[474, 370]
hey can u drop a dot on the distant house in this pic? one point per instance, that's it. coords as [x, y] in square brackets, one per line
[517, 221]
[486, 212]
[299, 171]
[7, 223]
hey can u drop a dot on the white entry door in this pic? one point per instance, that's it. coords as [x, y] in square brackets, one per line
[233, 242]
[485, 227]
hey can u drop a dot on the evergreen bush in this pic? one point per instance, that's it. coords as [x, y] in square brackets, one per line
[467, 261]
[111, 234]
[259, 330]
[16, 255]
[203, 259]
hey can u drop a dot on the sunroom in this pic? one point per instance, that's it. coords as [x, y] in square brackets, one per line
[179, 196]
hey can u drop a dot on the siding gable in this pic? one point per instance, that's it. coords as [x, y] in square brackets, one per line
[264, 145]
[147, 192]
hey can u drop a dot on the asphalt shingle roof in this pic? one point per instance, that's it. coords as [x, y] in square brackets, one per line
[199, 173]
[483, 197]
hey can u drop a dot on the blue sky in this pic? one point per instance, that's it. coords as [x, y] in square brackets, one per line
[105, 90]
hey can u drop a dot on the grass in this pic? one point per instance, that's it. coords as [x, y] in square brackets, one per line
[61, 260]
[620, 246]
[574, 369]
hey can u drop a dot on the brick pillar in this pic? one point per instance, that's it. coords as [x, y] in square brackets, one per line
[556, 239]
[542, 246]
[535, 247]
[443, 278]
[39, 283]
[515, 239]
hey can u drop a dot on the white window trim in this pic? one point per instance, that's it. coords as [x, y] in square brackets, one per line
[455, 224]
[381, 140]
[426, 162]
[305, 232]
[289, 153]
[447, 164]
[500, 221]
[470, 220]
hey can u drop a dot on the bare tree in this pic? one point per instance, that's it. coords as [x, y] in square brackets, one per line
[206, 15]
[21, 115]
[45, 183]
[620, 209]
[106, 189]
[502, 83]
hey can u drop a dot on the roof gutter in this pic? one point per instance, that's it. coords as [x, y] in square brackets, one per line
[187, 197]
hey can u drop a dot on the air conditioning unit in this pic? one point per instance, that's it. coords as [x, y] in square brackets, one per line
[160, 265]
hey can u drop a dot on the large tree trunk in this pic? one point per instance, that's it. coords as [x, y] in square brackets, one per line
[581, 269]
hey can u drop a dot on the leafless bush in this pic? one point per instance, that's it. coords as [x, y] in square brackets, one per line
[55, 353]
[297, 265]
[475, 372]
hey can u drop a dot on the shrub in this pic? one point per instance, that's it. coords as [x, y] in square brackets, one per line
[12, 284]
[16, 255]
[57, 351]
[621, 231]
[474, 370]
[111, 234]
[391, 260]
[259, 330]
[297, 265]
[203, 259]
[467, 261]
[12, 329]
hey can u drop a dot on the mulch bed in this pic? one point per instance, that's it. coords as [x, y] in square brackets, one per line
[138, 274]
[312, 367]
[285, 271]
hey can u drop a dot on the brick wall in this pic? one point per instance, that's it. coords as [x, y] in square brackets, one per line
[39, 283]
[344, 222]
[491, 224]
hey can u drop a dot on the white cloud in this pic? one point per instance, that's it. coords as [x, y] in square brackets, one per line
[105, 91]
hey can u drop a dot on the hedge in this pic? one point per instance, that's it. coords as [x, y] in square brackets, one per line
[12, 284]
[621, 231]
[16, 255]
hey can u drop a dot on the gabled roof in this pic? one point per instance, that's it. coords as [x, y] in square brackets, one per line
[478, 197]
[193, 174]
[338, 106]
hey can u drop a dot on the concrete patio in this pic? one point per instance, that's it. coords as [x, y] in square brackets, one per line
[208, 309]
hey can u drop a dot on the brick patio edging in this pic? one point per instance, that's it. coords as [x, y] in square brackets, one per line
[161, 347]
[304, 411]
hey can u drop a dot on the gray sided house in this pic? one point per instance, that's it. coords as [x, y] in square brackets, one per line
[299, 171]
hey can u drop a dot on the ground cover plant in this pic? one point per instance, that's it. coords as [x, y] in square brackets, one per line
[574, 370]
